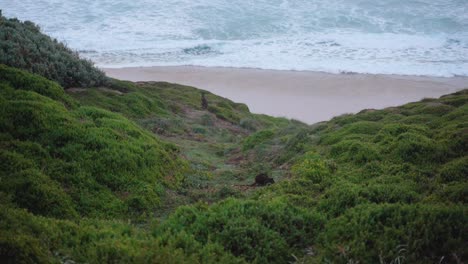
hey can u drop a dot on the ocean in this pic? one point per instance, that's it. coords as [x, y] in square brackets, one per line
[410, 37]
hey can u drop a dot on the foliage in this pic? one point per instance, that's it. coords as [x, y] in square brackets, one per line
[23, 46]
[26, 238]
[83, 160]
[455, 170]
[313, 168]
[258, 232]
[374, 233]
[257, 138]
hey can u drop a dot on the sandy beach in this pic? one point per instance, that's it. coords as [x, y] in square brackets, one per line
[307, 96]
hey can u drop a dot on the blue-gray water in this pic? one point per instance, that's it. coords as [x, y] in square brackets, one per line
[422, 37]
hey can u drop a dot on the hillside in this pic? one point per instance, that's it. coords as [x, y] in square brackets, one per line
[126, 172]
[395, 177]
[23, 46]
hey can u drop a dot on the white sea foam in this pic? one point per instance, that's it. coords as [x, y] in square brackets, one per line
[422, 37]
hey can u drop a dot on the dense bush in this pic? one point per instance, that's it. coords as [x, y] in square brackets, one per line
[23, 46]
[59, 162]
[256, 139]
[412, 147]
[26, 238]
[397, 193]
[313, 168]
[378, 233]
[130, 104]
[259, 232]
[225, 113]
[354, 128]
[455, 170]
[356, 151]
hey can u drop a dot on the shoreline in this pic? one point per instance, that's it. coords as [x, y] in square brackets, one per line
[307, 96]
[111, 68]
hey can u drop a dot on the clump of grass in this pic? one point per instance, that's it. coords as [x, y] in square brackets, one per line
[429, 231]
[455, 170]
[355, 151]
[26, 238]
[256, 139]
[255, 231]
[313, 168]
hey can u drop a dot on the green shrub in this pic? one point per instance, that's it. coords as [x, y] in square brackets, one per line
[226, 192]
[435, 108]
[298, 142]
[131, 104]
[60, 161]
[402, 192]
[453, 192]
[457, 99]
[226, 114]
[456, 140]
[372, 115]
[241, 107]
[390, 132]
[340, 197]
[25, 238]
[418, 119]
[247, 237]
[415, 148]
[38, 193]
[199, 130]
[12, 78]
[375, 233]
[206, 120]
[455, 170]
[256, 231]
[360, 127]
[356, 151]
[23, 46]
[313, 168]
[256, 139]
[249, 124]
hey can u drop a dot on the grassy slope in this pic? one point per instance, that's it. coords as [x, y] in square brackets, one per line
[64, 159]
[391, 183]
[395, 177]
[66, 168]
[375, 186]
[210, 139]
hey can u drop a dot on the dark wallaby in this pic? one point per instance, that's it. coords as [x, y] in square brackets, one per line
[262, 179]
[204, 102]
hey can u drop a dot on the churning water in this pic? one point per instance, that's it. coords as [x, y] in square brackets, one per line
[422, 37]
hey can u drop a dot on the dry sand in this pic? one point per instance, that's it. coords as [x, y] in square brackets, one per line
[307, 96]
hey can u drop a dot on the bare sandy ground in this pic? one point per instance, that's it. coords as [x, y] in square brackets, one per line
[307, 96]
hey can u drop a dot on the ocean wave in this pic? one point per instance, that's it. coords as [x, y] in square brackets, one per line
[422, 37]
[198, 50]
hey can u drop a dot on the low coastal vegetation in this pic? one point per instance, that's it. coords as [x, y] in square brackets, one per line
[23, 46]
[122, 172]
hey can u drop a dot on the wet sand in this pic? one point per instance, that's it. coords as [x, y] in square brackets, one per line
[307, 96]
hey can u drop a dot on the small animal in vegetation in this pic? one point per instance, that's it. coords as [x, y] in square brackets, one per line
[262, 179]
[204, 102]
